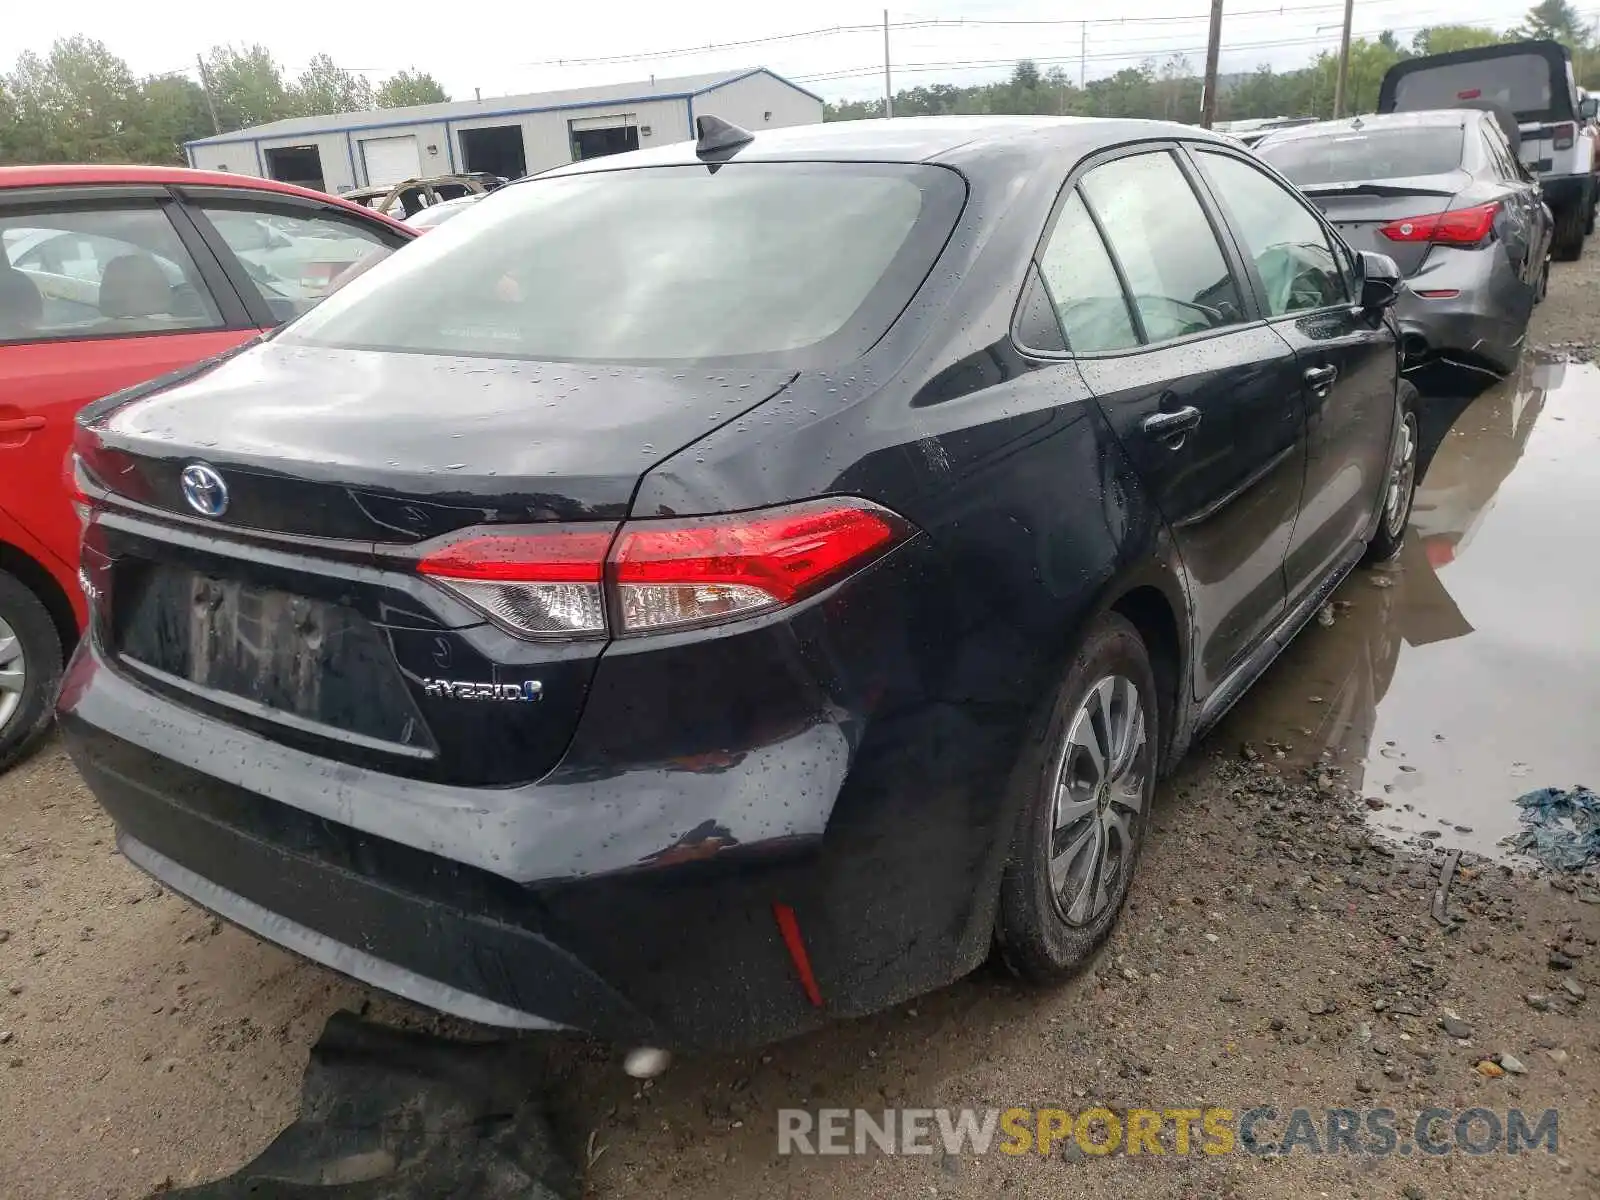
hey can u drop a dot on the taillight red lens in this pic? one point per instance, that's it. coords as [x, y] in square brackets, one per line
[539, 583]
[80, 488]
[1563, 135]
[676, 573]
[1463, 227]
[546, 583]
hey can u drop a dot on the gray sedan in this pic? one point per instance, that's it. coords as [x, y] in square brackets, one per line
[1444, 195]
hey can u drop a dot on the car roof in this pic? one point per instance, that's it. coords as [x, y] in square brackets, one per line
[1422, 118]
[952, 140]
[101, 175]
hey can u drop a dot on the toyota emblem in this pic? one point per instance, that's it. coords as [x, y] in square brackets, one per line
[204, 490]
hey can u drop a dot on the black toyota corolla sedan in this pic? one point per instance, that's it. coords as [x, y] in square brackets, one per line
[707, 591]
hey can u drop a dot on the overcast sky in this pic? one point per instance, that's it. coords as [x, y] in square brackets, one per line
[505, 47]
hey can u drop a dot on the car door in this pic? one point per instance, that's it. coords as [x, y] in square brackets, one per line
[286, 253]
[1304, 282]
[1204, 398]
[99, 290]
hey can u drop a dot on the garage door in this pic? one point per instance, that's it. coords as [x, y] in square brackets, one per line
[391, 159]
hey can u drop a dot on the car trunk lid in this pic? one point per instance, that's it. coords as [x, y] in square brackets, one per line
[297, 610]
[1360, 210]
[395, 448]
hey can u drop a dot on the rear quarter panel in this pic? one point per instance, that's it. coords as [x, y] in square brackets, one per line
[1031, 521]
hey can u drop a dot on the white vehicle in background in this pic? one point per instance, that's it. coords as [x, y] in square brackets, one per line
[1533, 81]
[438, 214]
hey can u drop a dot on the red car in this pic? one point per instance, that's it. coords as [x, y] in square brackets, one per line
[110, 276]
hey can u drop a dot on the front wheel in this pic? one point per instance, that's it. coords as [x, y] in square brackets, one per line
[1400, 481]
[1086, 783]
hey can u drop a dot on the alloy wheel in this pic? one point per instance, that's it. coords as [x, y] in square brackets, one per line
[1099, 792]
[13, 673]
[1402, 474]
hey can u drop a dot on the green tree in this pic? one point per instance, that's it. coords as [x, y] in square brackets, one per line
[80, 103]
[325, 87]
[174, 112]
[247, 85]
[410, 87]
[1442, 39]
[1557, 20]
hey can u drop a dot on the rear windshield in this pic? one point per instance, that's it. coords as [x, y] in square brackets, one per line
[1519, 82]
[789, 263]
[1356, 155]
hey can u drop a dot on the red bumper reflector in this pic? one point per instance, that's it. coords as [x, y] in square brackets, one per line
[789, 928]
[1441, 293]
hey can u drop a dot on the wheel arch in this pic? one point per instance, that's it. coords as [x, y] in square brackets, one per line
[1154, 602]
[41, 581]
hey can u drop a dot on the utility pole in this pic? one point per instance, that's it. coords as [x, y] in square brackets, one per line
[205, 86]
[1344, 61]
[1083, 53]
[1208, 94]
[888, 88]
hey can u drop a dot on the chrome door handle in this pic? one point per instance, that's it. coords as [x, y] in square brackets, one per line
[1320, 379]
[1170, 428]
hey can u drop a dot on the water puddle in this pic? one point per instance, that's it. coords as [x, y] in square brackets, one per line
[1468, 672]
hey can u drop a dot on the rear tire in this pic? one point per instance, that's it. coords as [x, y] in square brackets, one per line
[1400, 480]
[1084, 788]
[30, 668]
[1567, 245]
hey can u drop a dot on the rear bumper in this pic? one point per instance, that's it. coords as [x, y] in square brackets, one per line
[696, 949]
[628, 894]
[1482, 322]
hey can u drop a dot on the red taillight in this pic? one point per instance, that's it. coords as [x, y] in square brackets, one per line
[80, 488]
[1563, 135]
[537, 582]
[1463, 227]
[661, 574]
[690, 572]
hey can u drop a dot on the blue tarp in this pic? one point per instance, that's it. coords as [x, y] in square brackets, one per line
[1561, 827]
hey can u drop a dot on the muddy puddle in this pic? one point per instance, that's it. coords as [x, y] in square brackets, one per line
[1468, 672]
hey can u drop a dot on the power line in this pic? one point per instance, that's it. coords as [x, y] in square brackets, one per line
[927, 23]
[910, 68]
[1165, 49]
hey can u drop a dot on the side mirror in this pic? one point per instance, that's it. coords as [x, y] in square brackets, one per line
[1380, 281]
[1589, 108]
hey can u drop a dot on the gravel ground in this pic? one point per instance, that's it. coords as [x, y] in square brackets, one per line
[1273, 954]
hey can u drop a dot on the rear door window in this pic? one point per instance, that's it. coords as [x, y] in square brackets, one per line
[294, 259]
[1290, 248]
[777, 263]
[1521, 83]
[96, 272]
[1168, 252]
[1353, 155]
[1084, 289]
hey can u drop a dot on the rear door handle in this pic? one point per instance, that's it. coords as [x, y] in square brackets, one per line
[1320, 379]
[1170, 428]
[20, 425]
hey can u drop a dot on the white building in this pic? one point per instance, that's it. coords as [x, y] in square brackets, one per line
[508, 135]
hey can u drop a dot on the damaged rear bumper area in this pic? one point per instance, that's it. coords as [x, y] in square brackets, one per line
[1464, 307]
[683, 952]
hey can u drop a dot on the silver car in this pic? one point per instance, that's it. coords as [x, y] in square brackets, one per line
[1443, 194]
